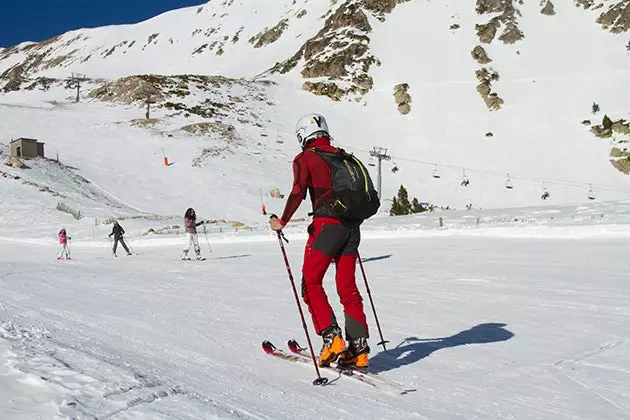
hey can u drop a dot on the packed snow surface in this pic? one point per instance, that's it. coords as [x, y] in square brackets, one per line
[483, 322]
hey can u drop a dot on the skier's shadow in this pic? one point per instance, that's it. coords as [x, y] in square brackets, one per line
[414, 349]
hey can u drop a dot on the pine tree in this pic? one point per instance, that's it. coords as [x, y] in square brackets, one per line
[416, 207]
[403, 199]
[395, 210]
[595, 108]
[400, 204]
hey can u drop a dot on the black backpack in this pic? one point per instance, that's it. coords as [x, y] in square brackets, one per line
[354, 196]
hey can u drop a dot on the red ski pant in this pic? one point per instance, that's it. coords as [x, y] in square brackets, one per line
[329, 241]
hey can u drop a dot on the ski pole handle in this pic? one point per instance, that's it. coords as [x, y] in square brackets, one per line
[280, 233]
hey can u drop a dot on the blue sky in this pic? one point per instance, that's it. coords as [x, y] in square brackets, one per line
[37, 20]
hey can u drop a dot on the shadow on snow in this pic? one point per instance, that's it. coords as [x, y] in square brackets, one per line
[414, 349]
[382, 257]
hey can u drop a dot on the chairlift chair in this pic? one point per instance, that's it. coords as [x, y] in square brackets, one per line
[508, 183]
[465, 180]
[545, 194]
[590, 194]
[436, 173]
[371, 161]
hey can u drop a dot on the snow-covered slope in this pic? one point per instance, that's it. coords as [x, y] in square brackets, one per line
[547, 83]
[483, 326]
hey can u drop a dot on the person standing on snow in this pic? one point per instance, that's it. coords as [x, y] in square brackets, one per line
[118, 233]
[63, 241]
[190, 222]
[331, 238]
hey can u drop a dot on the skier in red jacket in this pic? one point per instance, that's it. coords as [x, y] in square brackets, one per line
[330, 239]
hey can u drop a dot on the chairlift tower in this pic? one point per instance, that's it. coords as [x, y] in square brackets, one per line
[380, 153]
[76, 79]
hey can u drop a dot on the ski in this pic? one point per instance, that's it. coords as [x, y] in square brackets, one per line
[300, 357]
[353, 372]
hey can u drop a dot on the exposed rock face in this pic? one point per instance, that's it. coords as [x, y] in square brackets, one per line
[486, 76]
[608, 127]
[402, 98]
[340, 52]
[508, 19]
[549, 9]
[480, 55]
[269, 36]
[381, 7]
[617, 17]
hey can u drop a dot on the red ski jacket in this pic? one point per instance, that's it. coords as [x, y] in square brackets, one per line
[310, 174]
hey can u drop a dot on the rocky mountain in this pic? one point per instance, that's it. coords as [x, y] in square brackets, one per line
[496, 89]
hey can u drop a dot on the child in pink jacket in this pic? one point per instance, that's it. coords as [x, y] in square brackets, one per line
[63, 241]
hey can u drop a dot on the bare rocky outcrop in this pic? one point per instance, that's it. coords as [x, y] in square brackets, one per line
[379, 8]
[225, 131]
[617, 17]
[339, 52]
[486, 76]
[549, 9]
[339, 55]
[402, 98]
[36, 60]
[621, 159]
[133, 89]
[269, 35]
[506, 20]
[616, 14]
[609, 127]
[480, 55]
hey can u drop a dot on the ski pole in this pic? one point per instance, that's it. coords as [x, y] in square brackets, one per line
[130, 248]
[320, 380]
[378, 325]
[206, 235]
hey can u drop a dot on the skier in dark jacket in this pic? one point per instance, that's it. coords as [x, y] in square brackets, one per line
[118, 233]
[330, 239]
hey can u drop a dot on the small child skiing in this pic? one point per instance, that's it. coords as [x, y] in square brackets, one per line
[118, 233]
[190, 221]
[63, 241]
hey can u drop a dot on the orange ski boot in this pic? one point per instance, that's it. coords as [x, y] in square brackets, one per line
[356, 356]
[333, 346]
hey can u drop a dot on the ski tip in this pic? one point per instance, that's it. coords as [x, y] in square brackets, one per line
[268, 347]
[294, 346]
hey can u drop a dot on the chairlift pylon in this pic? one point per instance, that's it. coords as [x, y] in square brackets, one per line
[590, 194]
[508, 183]
[436, 173]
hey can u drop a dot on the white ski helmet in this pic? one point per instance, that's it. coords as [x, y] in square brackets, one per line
[309, 126]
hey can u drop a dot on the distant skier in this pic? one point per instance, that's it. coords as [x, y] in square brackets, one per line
[63, 241]
[118, 233]
[190, 222]
[340, 205]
